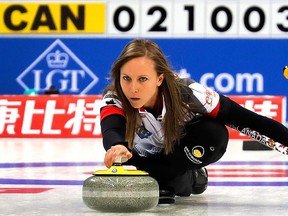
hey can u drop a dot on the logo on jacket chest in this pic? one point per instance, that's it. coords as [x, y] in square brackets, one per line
[142, 132]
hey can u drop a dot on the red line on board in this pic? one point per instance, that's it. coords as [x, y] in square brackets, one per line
[23, 190]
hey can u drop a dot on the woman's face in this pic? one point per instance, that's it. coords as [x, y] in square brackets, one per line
[140, 82]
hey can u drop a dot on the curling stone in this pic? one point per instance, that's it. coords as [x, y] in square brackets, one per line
[120, 190]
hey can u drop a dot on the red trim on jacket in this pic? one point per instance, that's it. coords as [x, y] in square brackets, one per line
[110, 110]
[215, 111]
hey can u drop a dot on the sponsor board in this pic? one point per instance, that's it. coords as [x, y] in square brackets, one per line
[81, 66]
[58, 63]
[70, 116]
[50, 116]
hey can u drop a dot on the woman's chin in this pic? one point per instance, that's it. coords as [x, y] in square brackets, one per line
[136, 105]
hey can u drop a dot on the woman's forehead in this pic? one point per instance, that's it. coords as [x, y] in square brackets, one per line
[140, 65]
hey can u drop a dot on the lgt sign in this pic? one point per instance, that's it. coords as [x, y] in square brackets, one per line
[60, 67]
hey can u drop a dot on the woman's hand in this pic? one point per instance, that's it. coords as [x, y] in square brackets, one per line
[115, 151]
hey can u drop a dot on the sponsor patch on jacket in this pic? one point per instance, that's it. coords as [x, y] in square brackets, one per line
[194, 155]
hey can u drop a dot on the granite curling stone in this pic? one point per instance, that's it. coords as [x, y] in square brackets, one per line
[120, 190]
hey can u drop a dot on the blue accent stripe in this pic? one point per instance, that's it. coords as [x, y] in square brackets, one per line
[49, 164]
[11, 181]
[277, 163]
[80, 182]
[40, 182]
[63, 164]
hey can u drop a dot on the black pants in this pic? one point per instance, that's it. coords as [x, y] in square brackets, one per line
[205, 142]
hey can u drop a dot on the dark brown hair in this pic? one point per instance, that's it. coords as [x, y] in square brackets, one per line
[176, 110]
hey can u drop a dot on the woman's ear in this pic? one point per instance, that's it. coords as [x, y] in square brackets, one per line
[160, 79]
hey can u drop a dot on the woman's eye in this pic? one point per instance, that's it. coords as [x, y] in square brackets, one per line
[126, 78]
[142, 79]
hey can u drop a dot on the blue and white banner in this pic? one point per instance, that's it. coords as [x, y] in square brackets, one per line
[81, 66]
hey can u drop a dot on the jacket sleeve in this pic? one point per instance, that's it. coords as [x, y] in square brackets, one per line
[113, 121]
[113, 130]
[231, 112]
[204, 100]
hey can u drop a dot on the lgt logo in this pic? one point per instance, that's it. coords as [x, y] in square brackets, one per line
[60, 67]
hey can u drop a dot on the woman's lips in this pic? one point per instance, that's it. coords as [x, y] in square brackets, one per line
[135, 102]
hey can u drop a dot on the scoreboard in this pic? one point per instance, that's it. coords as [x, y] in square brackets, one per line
[147, 18]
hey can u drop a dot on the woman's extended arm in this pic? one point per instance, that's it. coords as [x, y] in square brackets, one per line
[113, 130]
[233, 113]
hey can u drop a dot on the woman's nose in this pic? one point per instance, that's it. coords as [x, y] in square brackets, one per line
[134, 87]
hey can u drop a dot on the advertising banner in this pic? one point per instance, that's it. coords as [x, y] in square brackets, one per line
[50, 116]
[81, 66]
[69, 116]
